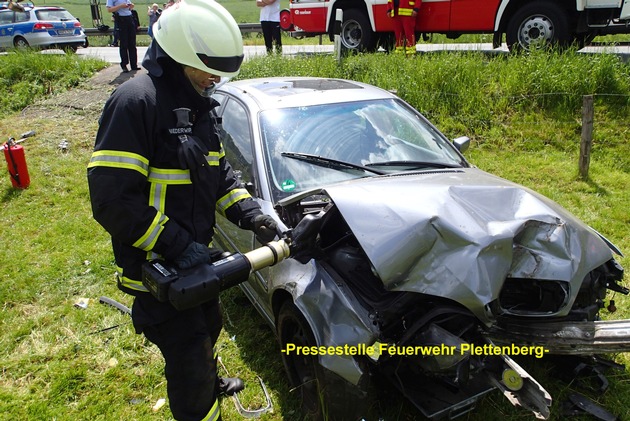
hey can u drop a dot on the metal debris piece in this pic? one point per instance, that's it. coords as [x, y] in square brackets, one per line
[250, 413]
[123, 308]
[578, 405]
[253, 413]
[64, 145]
[82, 303]
[159, 404]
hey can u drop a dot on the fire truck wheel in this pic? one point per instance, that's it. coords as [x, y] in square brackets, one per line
[538, 25]
[356, 32]
[285, 20]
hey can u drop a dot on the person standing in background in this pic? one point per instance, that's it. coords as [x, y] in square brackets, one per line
[127, 35]
[116, 31]
[270, 24]
[154, 13]
[404, 13]
[136, 19]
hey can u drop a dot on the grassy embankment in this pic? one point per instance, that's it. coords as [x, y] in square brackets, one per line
[522, 113]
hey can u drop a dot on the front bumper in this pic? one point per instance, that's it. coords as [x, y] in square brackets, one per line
[566, 338]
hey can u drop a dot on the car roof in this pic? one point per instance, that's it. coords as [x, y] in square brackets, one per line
[29, 6]
[284, 92]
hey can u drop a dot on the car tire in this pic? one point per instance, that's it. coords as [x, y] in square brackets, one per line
[304, 371]
[20, 43]
[538, 25]
[356, 32]
[323, 393]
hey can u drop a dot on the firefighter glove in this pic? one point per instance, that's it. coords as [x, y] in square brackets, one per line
[196, 254]
[191, 152]
[265, 228]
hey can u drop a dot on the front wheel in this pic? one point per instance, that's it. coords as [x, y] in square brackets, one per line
[538, 25]
[356, 32]
[303, 370]
[324, 393]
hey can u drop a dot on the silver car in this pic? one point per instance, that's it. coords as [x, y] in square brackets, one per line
[39, 27]
[411, 266]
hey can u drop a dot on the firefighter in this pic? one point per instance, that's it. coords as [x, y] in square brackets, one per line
[404, 14]
[156, 177]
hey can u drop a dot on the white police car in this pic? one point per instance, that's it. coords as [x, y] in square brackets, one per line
[23, 25]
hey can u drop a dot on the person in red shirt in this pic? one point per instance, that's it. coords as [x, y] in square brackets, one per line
[404, 13]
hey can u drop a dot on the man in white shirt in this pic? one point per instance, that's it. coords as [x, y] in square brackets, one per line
[270, 23]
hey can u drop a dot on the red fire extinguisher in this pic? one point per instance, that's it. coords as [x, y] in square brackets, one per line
[16, 161]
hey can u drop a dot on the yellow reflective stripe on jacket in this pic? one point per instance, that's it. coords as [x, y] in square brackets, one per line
[148, 240]
[120, 159]
[214, 157]
[231, 198]
[168, 176]
[129, 283]
[405, 12]
[215, 412]
[157, 196]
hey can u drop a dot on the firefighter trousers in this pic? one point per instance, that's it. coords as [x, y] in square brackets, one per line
[186, 340]
[404, 32]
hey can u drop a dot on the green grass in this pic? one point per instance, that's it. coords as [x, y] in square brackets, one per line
[56, 362]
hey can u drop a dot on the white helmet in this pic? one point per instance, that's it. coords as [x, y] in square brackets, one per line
[201, 34]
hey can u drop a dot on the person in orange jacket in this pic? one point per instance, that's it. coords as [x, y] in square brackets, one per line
[404, 14]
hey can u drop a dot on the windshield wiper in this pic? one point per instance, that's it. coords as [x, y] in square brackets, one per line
[413, 164]
[329, 162]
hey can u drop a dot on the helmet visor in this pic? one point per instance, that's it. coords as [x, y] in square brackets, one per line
[222, 64]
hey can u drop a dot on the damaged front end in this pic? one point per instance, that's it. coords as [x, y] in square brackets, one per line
[447, 287]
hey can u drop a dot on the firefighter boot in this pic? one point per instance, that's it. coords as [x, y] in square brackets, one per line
[230, 385]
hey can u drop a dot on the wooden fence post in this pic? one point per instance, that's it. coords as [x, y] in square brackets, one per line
[586, 142]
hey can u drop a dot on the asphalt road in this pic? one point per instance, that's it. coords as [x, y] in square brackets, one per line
[110, 54]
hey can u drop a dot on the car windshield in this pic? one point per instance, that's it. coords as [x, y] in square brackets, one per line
[307, 147]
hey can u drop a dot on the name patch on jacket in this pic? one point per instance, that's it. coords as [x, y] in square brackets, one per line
[180, 130]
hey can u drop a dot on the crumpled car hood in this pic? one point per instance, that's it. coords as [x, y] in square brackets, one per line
[459, 233]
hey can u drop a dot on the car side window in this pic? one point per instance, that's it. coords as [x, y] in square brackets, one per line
[6, 17]
[237, 139]
[21, 17]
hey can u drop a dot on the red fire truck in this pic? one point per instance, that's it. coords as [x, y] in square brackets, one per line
[526, 23]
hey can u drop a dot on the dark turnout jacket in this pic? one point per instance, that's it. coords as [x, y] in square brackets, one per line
[150, 205]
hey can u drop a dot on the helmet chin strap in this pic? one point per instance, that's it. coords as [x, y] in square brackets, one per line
[207, 93]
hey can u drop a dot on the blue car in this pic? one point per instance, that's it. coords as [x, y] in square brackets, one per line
[23, 26]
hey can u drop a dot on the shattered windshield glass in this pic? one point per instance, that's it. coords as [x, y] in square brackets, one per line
[381, 134]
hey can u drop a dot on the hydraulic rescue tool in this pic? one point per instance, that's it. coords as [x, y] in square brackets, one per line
[187, 288]
[191, 287]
